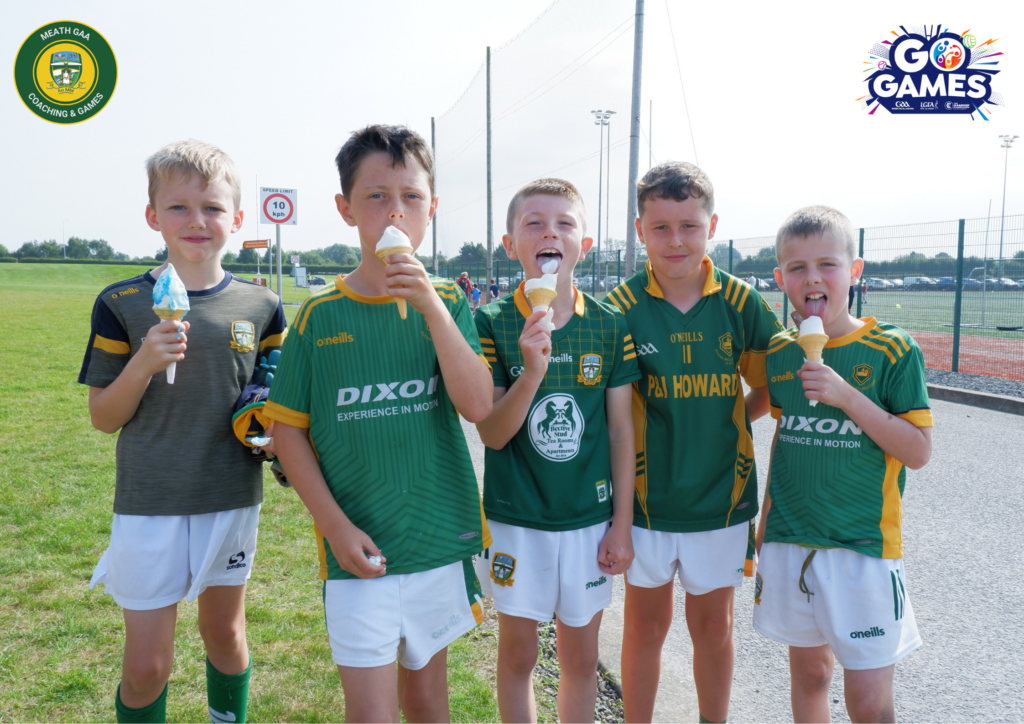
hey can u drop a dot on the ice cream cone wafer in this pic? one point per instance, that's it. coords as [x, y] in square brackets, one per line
[812, 345]
[394, 241]
[164, 313]
[541, 296]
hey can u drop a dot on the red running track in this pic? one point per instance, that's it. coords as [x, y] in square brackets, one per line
[992, 356]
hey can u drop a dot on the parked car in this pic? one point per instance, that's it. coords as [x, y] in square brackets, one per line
[503, 283]
[611, 282]
[974, 285]
[1006, 285]
[770, 284]
[876, 283]
[896, 283]
[316, 282]
[945, 284]
[920, 284]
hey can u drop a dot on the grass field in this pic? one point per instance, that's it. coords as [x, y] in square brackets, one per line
[61, 644]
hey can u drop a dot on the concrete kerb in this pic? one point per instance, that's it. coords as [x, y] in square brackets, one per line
[999, 403]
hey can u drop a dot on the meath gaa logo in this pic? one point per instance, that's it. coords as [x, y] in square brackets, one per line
[724, 349]
[502, 568]
[862, 374]
[590, 370]
[65, 72]
[242, 336]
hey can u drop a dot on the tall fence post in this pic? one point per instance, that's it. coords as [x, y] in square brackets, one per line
[730, 256]
[618, 267]
[860, 282]
[785, 310]
[958, 300]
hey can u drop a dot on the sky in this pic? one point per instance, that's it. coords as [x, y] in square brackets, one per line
[770, 91]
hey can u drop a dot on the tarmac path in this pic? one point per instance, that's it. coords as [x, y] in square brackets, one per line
[963, 517]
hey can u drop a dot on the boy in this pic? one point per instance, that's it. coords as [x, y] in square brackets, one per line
[559, 442]
[476, 298]
[368, 434]
[192, 522]
[831, 581]
[697, 330]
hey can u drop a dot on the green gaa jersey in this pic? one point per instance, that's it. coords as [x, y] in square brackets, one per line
[694, 450]
[831, 485]
[555, 474]
[368, 386]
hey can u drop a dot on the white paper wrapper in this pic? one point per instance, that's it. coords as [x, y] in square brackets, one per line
[170, 372]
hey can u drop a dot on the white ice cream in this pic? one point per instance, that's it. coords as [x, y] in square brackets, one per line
[550, 266]
[548, 281]
[812, 325]
[393, 236]
[169, 292]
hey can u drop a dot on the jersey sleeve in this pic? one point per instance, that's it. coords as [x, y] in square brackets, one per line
[463, 317]
[625, 369]
[485, 339]
[759, 325]
[108, 350]
[289, 399]
[274, 332]
[906, 392]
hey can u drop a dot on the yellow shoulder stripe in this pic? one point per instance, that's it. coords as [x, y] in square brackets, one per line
[625, 288]
[322, 296]
[880, 348]
[616, 302]
[484, 340]
[886, 339]
[274, 340]
[891, 334]
[111, 345]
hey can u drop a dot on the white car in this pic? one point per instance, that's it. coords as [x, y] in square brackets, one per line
[876, 283]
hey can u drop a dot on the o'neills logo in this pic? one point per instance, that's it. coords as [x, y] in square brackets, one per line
[874, 631]
[65, 72]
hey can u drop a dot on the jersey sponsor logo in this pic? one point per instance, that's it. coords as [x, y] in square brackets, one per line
[590, 370]
[123, 292]
[340, 338]
[453, 620]
[863, 376]
[685, 386]
[594, 584]
[502, 568]
[602, 491]
[724, 348]
[516, 370]
[564, 357]
[646, 349]
[243, 335]
[784, 378]
[236, 561]
[873, 631]
[381, 391]
[556, 427]
[686, 337]
[758, 587]
[824, 425]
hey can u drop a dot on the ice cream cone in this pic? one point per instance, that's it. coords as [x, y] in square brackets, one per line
[166, 313]
[812, 344]
[541, 296]
[394, 241]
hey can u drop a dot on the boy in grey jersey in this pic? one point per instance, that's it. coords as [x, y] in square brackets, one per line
[186, 506]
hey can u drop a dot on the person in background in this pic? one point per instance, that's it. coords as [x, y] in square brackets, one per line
[495, 291]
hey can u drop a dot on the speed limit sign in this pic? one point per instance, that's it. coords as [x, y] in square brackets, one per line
[279, 206]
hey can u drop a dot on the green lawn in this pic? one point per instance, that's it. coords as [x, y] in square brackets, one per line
[61, 644]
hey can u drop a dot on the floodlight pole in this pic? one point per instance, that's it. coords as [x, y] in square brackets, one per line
[1007, 142]
[433, 221]
[634, 139]
[608, 185]
[599, 122]
[984, 276]
[490, 212]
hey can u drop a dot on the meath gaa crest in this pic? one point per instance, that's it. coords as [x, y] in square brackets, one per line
[243, 334]
[65, 72]
[590, 370]
[502, 568]
[724, 349]
[862, 374]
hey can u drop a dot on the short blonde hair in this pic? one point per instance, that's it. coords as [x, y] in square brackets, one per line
[192, 156]
[550, 187]
[820, 220]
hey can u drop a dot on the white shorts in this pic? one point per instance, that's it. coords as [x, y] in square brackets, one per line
[857, 604]
[412, 616]
[704, 560]
[156, 560]
[539, 573]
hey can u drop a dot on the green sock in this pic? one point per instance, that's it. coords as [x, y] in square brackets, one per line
[228, 696]
[155, 712]
[708, 721]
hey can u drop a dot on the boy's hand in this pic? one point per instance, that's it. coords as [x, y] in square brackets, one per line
[407, 279]
[351, 547]
[615, 554]
[536, 345]
[823, 384]
[165, 343]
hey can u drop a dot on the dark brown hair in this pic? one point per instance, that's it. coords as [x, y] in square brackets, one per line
[398, 142]
[676, 180]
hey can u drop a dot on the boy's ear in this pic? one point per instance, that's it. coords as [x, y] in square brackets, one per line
[778, 278]
[510, 247]
[344, 209]
[639, 231]
[151, 218]
[712, 226]
[856, 270]
[433, 208]
[236, 224]
[585, 246]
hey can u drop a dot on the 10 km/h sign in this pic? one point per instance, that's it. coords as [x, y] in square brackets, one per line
[279, 206]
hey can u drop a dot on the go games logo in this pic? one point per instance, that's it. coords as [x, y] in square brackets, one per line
[932, 70]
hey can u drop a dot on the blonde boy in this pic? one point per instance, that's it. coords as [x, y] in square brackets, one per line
[559, 444]
[187, 529]
[698, 330]
[367, 430]
[831, 582]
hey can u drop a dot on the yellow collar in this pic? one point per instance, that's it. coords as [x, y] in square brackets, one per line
[524, 306]
[710, 285]
[869, 324]
[341, 286]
